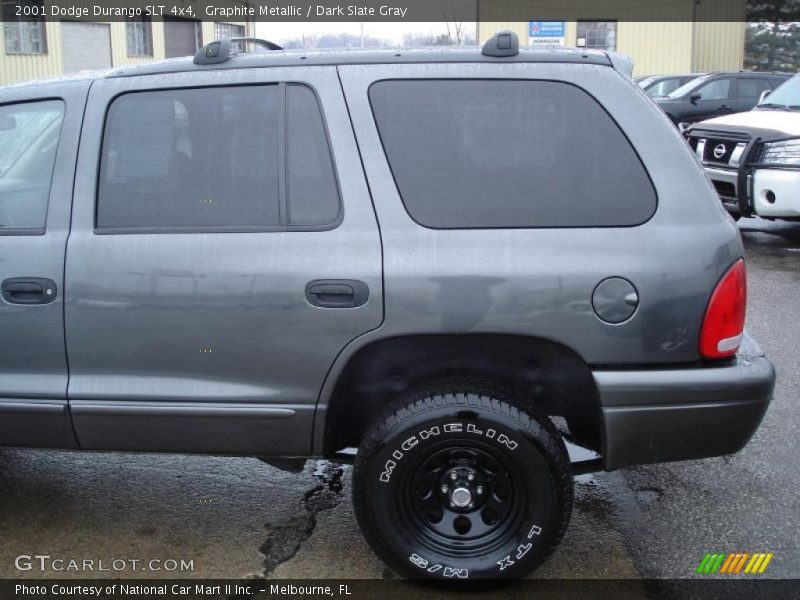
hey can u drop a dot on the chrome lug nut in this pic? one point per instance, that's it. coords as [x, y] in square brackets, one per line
[479, 490]
[445, 489]
[470, 476]
[453, 476]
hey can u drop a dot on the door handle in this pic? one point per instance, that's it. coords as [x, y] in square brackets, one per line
[337, 293]
[724, 107]
[29, 290]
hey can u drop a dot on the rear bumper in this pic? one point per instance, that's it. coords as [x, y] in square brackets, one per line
[652, 416]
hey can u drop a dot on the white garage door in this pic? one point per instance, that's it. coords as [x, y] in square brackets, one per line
[85, 46]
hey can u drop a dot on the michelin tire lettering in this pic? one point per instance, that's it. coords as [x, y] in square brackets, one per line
[425, 434]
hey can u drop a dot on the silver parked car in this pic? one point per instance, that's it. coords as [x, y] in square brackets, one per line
[431, 256]
[662, 85]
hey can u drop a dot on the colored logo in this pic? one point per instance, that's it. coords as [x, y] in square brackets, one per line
[735, 563]
[547, 29]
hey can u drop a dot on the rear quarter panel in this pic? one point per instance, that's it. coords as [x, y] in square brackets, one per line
[539, 282]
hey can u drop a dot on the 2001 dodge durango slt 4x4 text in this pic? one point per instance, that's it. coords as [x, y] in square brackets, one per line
[450, 260]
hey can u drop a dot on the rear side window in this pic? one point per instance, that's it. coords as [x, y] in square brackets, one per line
[29, 135]
[508, 153]
[313, 192]
[215, 159]
[750, 87]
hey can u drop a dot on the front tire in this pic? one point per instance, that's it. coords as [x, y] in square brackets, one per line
[461, 482]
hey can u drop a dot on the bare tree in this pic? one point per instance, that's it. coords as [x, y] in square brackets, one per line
[458, 28]
[335, 40]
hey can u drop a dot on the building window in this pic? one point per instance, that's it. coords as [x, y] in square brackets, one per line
[601, 35]
[228, 30]
[140, 37]
[25, 34]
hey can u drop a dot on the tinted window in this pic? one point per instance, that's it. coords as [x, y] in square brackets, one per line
[508, 154]
[719, 89]
[191, 158]
[29, 135]
[752, 87]
[312, 189]
[689, 87]
[664, 87]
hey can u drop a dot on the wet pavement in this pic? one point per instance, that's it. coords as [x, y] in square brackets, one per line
[670, 515]
[239, 517]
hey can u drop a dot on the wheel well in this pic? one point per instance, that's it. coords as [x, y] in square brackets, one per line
[548, 374]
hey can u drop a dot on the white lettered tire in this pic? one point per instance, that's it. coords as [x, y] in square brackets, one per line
[459, 482]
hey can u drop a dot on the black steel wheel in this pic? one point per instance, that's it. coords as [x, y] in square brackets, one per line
[462, 483]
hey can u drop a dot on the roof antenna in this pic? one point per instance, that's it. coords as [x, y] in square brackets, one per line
[502, 43]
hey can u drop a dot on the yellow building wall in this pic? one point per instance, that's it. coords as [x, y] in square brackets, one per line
[719, 46]
[719, 36]
[16, 68]
[656, 48]
[22, 67]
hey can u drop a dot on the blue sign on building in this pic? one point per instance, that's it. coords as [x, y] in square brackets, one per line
[547, 29]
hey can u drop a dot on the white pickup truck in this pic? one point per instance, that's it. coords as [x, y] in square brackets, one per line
[753, 158]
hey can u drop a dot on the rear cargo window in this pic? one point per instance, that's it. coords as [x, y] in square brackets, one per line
[508, 153]
[29, 135]
[212, 159]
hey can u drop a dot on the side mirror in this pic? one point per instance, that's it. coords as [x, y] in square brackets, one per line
[764, 95]
[695, 97]
[7, 123]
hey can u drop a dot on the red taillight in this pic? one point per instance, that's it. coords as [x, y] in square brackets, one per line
[724, 322]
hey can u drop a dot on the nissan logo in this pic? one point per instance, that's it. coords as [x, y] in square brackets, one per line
[719, 150]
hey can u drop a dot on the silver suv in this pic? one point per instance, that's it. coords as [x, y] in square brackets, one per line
[452, 261]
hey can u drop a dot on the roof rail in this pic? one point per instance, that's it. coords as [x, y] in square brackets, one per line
[220, 50]
[502, 43]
